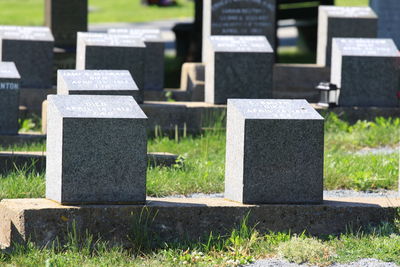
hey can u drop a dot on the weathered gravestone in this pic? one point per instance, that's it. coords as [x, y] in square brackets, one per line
[98, 51]
[96, 150]
[367, 71]
[9, 98]
[238, 17]
[31, 49]
[388, 12]
[335, 21]
[154, 64]
[66, 18]
[238, 67]
[97, 82]
[274, 152]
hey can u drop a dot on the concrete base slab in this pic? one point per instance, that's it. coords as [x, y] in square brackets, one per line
[21, 138]
[170, 219]
[10, 161]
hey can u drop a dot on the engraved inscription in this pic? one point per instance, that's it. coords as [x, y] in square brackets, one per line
[349, 11]
[102, 80]
[276, 109]
[239, 43]
[98, 108]
[367, 47]
[8, 86]
[242, 17]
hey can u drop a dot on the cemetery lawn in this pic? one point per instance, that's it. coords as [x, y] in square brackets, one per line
[244, 245]
[203, 160]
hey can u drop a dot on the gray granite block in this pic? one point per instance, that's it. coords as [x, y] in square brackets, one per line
[9, 98]
[274, 152]
[97, 82]
[31, 49]
[155, 47]
[367, 71]
[238, 17]
[337, 21]
[92, 142]
[98, 51]
[388, 19]
[66, 18]
[238, 67]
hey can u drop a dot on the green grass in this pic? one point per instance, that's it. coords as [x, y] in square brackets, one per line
[351, 2]
[31, 12]
[204, 160]
[242, 246]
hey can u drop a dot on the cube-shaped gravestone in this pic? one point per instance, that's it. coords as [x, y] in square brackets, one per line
[96, 150]
[31, 49]
[9, 98]
[239, 17]
[238, 67]
[388, 19]
[154, 64]
[66, 18]
[367, 71]
[99, 51]
[97, 82]
[336, 21]
[274, 152]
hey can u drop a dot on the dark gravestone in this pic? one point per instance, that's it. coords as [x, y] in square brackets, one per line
[66, 18]
[388, 12]
[9, 98]
[367, 71]
[335, 21]
[97, 82]
[96, 150]
[154, 64]
[238, 17]
[98, 51]
[31, 49]
[238, 67]
[274, 152]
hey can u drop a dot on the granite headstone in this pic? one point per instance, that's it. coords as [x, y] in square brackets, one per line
[31, 49]
[98, 51]
[238, 67]
[97, 82]
[155, 46]
[388, 12]
[367, 71]
[9, 98]
[238, 17]
[66, 18]
[96, 150]
[337, 21]
[274, 152]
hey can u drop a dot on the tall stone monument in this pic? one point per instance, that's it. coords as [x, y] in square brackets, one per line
[239, 17]
[388, 19]
[66, 18]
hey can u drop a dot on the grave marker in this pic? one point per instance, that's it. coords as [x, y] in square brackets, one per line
[96, 150]
[388, 19]
[274, 152]
[336, 21]
[238, 17]
[238, 67]
[367, 71]
[9, 98]
[31, 49]
[66, 18]
[155, 46]
[98, 51]
[97, 82]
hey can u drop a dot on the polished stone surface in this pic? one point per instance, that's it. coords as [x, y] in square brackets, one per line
[367, 71]
[388, 18]
[31, 49]
[238, 67]
[335, 21]
[9, 98]
[96, 150]
[274, 152]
